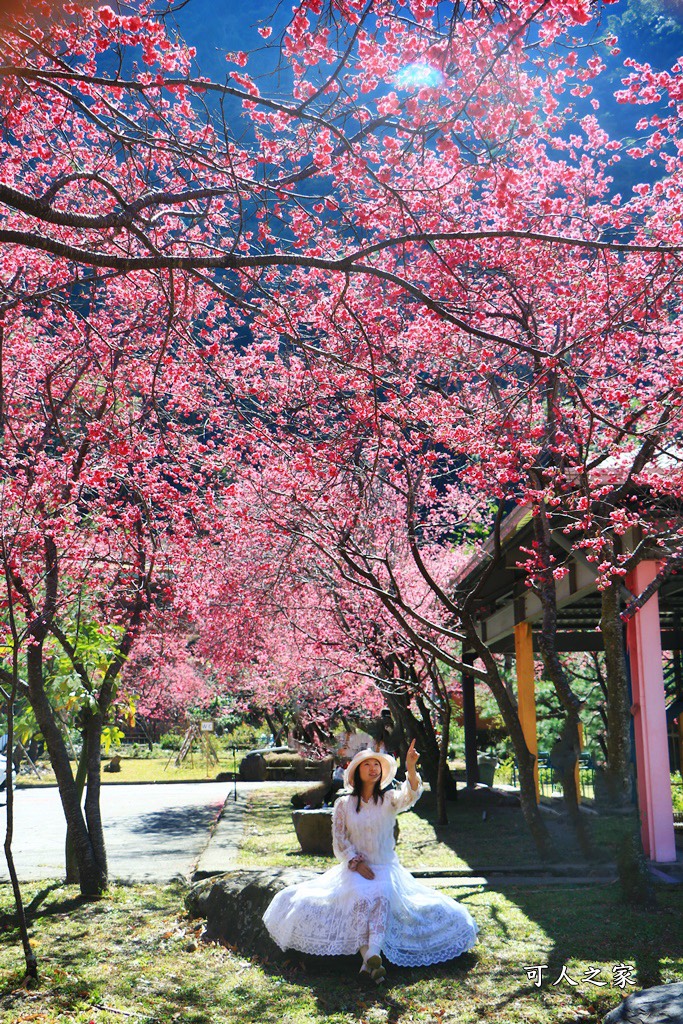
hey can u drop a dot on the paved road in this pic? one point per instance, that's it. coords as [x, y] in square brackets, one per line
[153, 833]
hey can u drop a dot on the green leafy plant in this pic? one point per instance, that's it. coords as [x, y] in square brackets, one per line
[171, 741]
[677, 793]
[111, 734]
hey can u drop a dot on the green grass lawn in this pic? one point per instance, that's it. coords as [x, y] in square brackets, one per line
[470, 840]
[135, 956]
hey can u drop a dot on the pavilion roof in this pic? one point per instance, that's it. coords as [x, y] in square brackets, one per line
[505, 600]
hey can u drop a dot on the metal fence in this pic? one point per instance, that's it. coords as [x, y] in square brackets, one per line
[549, 779]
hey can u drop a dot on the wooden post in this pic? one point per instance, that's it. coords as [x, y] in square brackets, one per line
[644, 642]
[526, 690]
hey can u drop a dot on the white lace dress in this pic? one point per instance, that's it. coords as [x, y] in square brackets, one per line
[340, 911]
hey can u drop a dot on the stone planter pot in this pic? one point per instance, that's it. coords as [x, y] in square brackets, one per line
[314, 830]
[487, 766]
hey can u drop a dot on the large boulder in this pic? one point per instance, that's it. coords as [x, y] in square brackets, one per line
[234, 904]
[253, 767]
[314, 830]
[660, 1005]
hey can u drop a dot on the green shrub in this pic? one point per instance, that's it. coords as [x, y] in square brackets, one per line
[244, 737]
[171, 741]
[505, 770]
[677, 793]
[140, 751]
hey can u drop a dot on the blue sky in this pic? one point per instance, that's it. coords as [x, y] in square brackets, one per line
[653, 28]
[215, 27]
[650, 30]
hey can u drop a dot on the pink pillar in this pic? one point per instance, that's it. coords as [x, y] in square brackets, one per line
[644, 642]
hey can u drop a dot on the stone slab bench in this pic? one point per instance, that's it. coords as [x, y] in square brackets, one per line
[233, 905]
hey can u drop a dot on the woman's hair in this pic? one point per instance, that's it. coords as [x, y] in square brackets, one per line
[377, 793]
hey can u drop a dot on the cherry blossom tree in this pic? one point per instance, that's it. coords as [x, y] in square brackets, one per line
[163, 681]
[287, 632]
[445, 296]
[266, 629]
[104, 461]
[545, 431]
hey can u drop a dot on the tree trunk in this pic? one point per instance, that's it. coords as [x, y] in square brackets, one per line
[93, 813]
[564, 756]
[444, 773]
[29, 955]
[527, 780]
[425, 738]
[81, 774]
[276, 730]
[525, 759]
[619, 777]
[91, 878]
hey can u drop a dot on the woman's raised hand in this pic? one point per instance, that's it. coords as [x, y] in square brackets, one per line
[412, 757]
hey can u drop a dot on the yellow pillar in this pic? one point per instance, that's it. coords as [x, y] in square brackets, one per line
[576, 767]
[526, 690]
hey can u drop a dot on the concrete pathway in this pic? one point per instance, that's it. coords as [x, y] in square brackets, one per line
[221, 849]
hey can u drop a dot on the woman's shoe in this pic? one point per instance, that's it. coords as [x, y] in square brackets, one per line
[375, 969]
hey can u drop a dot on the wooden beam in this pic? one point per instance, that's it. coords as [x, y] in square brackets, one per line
[582, 640]
[501, 622]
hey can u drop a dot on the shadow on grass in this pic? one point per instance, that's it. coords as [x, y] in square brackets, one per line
[480, 832]
[56, 907]
[36, 909]
[486, 829]
[591, 923]
[338, 988]
[598, 926]
[40, 906]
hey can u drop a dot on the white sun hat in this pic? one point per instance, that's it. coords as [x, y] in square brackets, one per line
[387, 762]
